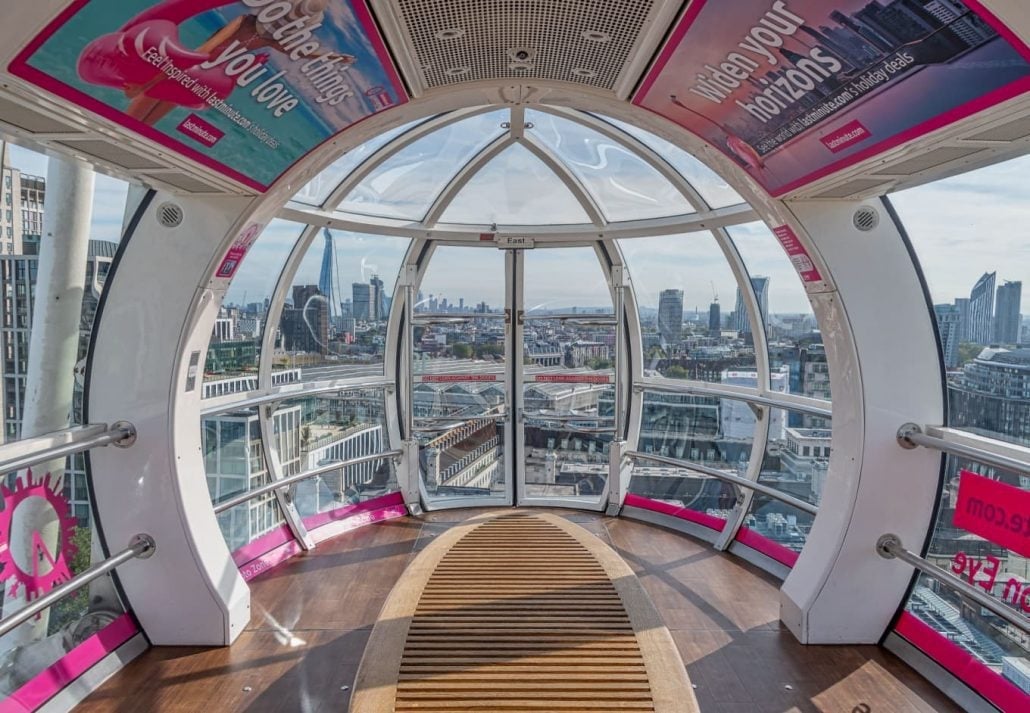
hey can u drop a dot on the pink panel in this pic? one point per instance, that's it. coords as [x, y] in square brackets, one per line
[72, 665]
[760, 543]
[962, 664]
[709, 521]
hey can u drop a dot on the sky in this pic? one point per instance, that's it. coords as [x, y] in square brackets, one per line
[960, 228]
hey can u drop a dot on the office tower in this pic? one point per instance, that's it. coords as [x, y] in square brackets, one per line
[670, 316]
[949, 323]
[760, 285]
[305, 326]
[328, 279]
[1006, 313]
[377, 304]
[362, 301]
[981, 310]
[714, 320]
[962, 305]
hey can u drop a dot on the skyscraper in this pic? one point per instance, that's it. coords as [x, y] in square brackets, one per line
[377, 311]
[949, 323]
[1006, 313]
[714, 320]
[362, 304]
[328, 280]
[981, 310]
[761, 287]
[962, 305]
[670, 316]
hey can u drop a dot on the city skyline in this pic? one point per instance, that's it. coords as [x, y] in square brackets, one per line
[943, 231]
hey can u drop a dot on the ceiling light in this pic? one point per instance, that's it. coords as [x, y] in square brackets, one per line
[451, 33]
[595, 36]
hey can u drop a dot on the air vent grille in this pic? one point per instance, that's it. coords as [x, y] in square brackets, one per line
[583, 41]
[169, 215]
[866, 219]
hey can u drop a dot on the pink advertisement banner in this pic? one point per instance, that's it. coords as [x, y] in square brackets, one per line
[244, 87]
[794, 90]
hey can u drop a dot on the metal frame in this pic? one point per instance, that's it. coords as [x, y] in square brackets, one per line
[771, 399]
[142, 546]
[890, 547]
[285, 482]
[744, 483]
[571, 181]
[51, 446]
[988, 451]
[462, 177]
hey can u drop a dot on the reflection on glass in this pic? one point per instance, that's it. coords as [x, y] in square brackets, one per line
[713, 189]
[515, 188]
[713, 432]
[795, 342]
[624, 186]
[796, 462]
[234, 461]
[1002, 573]
[459, 358]
[324, 429]
[318, 189]
[235, 347]
[569, 356]
[683, 288]
[406, 184]
[333, 324]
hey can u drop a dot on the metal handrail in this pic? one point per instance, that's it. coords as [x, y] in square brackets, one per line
[141, 546]
[911, 435]
[434, 318]
[734, 479]
[598, 319]
[59, 444]
[293, 390]
[256, 492]
[714, 391]
[890, 547]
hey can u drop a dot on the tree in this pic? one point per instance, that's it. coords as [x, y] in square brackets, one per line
[676, 372]
[968, 351]
[73, 607]
[461, 350]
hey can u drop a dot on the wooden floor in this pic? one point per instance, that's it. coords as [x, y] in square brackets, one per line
[313, 615]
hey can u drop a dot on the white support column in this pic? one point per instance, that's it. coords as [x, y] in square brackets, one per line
[53, 351]
[879, 337]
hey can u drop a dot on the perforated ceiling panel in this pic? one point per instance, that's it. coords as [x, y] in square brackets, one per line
[583, 41]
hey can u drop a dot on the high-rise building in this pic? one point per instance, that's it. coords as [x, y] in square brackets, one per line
[948, 325]
[1006, 313]
[962, 305]
[328, 279]
[377, 308]
[670, 316]
[714, 320]
[305, 326]
[761, 287]
[21, 210]
[981, 309]
[362, 301]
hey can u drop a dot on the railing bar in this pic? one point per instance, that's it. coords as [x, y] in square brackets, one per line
[141, 546]
[294, 393]
[251, 494]
[734, 396]
[115, 434]
[889, 546]
[976, 454]
[735, 479]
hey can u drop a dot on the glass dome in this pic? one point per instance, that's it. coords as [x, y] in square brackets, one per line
[515, 167]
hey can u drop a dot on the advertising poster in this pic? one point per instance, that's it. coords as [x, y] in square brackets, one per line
[246, 87]
[793, 90]
[998, 512]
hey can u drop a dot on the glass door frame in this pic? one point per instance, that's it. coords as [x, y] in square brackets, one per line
[627, 411]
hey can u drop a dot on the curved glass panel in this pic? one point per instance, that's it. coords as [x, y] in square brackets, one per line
[796, 462]
[683, 287]
[234, 461]
[318, 189]
[796, 354]
[324, 429]
[979, 306]
[622, 184]
[333, 324]
[515, 188]
[235, 347]
[406, 184]
[715, 191]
